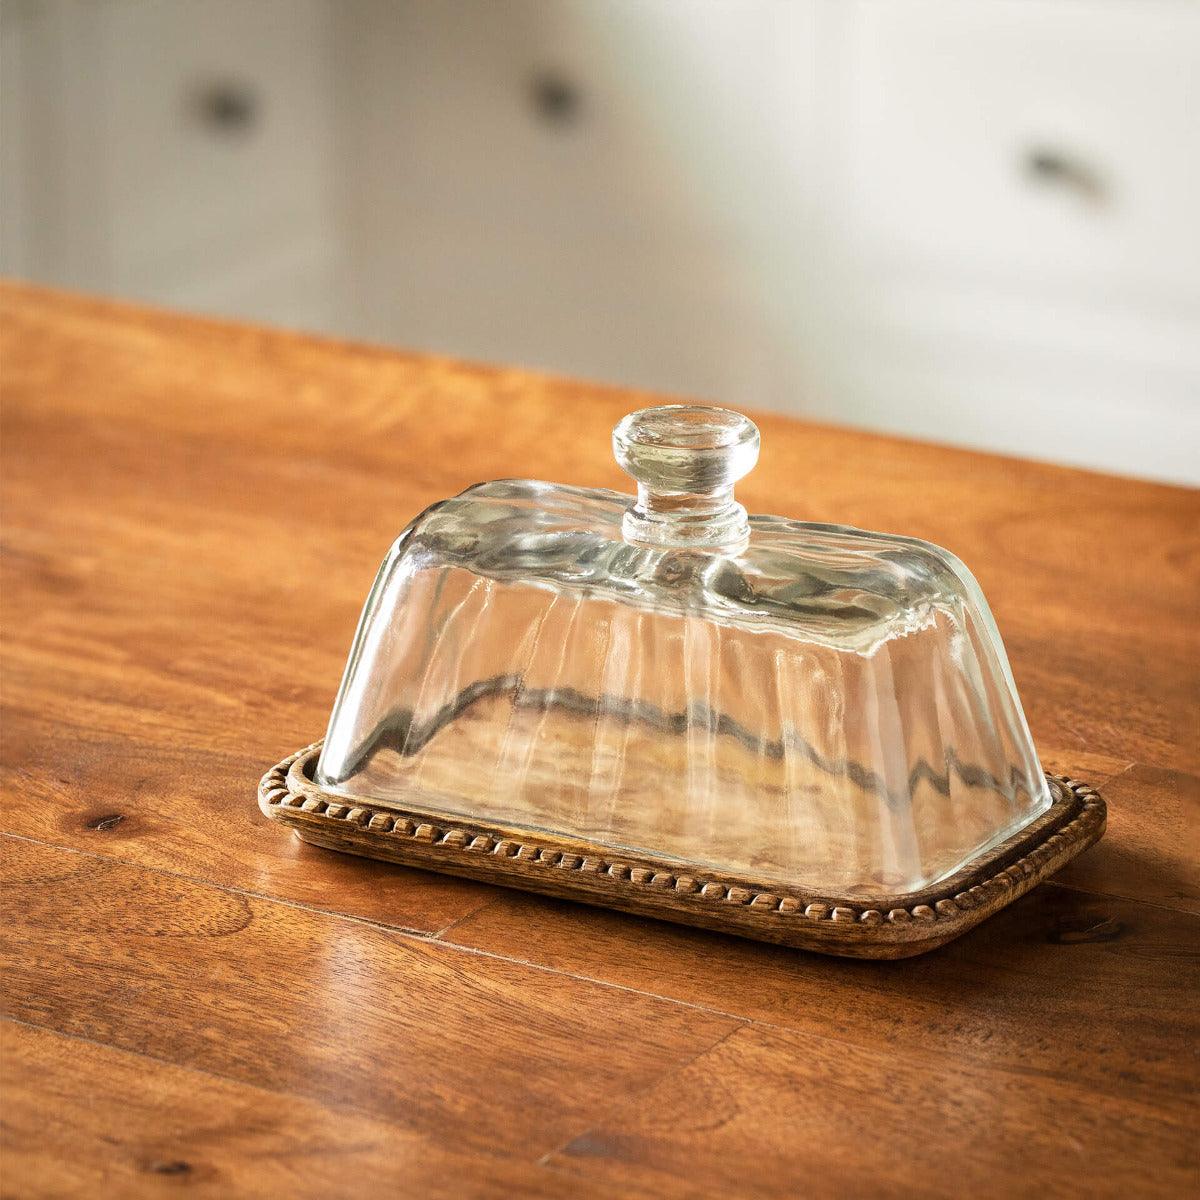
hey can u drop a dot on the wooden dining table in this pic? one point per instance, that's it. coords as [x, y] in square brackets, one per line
[192, 513]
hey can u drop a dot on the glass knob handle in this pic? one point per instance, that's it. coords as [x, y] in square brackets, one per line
[686, 447]
[686, 459]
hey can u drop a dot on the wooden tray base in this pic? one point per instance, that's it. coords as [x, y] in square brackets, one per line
[886, 927]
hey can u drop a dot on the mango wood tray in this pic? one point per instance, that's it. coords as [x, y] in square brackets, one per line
[888, 927]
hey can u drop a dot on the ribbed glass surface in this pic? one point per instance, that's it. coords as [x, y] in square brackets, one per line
[804, 704]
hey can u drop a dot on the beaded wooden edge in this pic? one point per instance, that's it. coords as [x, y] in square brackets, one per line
[892, 927]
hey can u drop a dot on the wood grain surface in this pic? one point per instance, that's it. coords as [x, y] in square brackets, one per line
[192, 1002]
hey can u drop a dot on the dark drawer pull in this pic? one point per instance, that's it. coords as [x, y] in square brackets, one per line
[555, 100]
[227, 106]
[1052, 167]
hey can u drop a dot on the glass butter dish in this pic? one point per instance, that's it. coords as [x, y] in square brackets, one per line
[807, 734]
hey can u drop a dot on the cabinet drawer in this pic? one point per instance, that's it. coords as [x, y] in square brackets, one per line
[1054, 144]
[571, 117]
[216, 134]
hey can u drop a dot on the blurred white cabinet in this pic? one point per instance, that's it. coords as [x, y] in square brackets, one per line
[1018, 238]
[972, 221]
[575, 185]
[1048, 145]
[177, 151]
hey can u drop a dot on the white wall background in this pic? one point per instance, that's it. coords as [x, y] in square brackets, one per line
[967, 220]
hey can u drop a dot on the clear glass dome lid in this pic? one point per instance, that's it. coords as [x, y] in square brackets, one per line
[806, 704]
